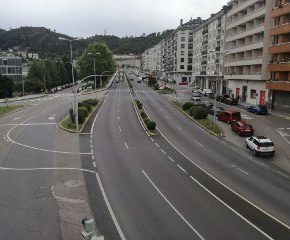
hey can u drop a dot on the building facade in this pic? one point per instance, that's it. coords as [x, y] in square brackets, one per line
[11, 67]
[246, 49]
[279, 67]
[129, 60]
[208, 51]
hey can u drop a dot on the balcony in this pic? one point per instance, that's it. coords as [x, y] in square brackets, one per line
[280, 29]
[279, 11]
[279, 67]
[280, 48]
[278, 85]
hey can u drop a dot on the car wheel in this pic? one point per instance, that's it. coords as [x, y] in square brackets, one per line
[247, 146]
[255, 152]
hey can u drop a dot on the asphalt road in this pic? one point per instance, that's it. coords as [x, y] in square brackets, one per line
[152, 188]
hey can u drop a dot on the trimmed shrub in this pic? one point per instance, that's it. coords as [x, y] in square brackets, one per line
[83, 113]
[139, 105]
[137, 101]
[200, 113]
[71, 115]
[187, 106]
[146, 120]
[156, 86]
[192, 110]
[91, 102]
[151, 126]
[143, 114]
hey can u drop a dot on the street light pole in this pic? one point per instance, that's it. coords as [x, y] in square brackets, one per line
[44, 81]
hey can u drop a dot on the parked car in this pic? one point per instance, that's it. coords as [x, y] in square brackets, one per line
[215, 110]
[207, 104]
[260, 145]
[139, 80]
[206, 91]
[196, 92]
[231, 101]
[196, 100]
[221, 98]
[229, 116]
[258, 109]
[242, 128]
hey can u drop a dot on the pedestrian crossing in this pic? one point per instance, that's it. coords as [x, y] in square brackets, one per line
[127, 90]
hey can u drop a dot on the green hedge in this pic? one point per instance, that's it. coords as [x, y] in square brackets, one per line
[151, 126]
[143, 114]
[200, 113]
[83, 113]
[187, 106]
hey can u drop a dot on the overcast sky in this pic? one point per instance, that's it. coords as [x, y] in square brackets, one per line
[84, 18]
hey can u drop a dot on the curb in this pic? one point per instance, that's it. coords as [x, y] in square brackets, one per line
[19, 100]
[197, 123]
[59, 125]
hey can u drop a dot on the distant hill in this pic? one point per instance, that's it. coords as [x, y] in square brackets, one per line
[2, 30]
[47, 44]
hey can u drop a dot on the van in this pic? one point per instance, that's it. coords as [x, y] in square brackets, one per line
[229, 116]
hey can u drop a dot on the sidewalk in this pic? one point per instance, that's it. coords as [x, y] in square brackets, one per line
[2, 101]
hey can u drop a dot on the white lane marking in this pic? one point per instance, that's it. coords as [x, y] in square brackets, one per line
[171, 159]
[97, 116]
[156, 144]
[120, 129]
[52, 117]
[118, 118]
[37, 169]
[179, 128]
[27, 124]
[221, 183]
[14, 119]
[282, 174]
[181, 168]
[91, 145]
[243, 171]
[152, 139]
[35, 148]
[283, 134]
[230, 208]
[171, 205]
[163, 151]
[198, 143]
[126, 145]
[93, 157]
[113, 216]
[94, 164]
[160, 109]
[118, 110]
[234, 148]
[167, 117]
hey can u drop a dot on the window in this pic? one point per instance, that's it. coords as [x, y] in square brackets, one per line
[189, 67]
[181, 59]
[182, 45]
[5, 62]
[182, 53]
[182, 39]
[181, 66]
[253, 94]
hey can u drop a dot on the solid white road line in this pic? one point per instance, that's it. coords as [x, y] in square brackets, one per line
[171, 205]
[97, 116]
[230, 208]
[282, 174]
[122, 236]
[198, 143]
[218, 181]
[181, 168]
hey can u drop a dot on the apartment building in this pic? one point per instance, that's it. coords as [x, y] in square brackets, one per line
[11, 67]
[152, 59]
[208, 50]
[279, 67]
[177, 52]
[130, 60]
[246, 49]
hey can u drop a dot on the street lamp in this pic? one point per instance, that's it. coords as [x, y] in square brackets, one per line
[95, 56]
[75, 104]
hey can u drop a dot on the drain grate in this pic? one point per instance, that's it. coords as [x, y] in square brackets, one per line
[42, 193]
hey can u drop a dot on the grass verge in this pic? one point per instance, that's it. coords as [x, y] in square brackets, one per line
[165, 91]
[206, 124]
[5, 110]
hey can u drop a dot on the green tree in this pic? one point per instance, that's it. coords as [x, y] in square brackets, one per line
[34, 85]
[6, 87]
[103, 57]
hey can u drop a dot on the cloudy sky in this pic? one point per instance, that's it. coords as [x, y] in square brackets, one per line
[84, 18]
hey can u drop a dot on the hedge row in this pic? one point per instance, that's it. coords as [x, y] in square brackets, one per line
[197, 112]
[84, 108]
[150, 125]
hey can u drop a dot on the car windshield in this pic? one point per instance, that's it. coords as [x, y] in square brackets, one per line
[266, 144]
[247, 126]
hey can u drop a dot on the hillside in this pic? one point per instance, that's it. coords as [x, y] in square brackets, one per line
[47, 43]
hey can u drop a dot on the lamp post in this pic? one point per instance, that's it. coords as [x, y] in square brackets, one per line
[75, 104]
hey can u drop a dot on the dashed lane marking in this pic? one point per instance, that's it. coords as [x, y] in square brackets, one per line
[156, 144]
[126, 145]
[163, 151]
[94, 164]
[171, 159]
[181, 168]
[198, 143]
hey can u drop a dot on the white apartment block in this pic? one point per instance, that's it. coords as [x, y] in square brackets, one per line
[246, 49]
[208, 51]
[152, 59]
[130, 60]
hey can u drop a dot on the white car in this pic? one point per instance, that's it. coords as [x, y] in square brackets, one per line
[196, 100]
[206, 91]
[260, 145]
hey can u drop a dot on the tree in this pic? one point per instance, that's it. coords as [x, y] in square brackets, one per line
[104, 60]
[6, 87]
[34, 85]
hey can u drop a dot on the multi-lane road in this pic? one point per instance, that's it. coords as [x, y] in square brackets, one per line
[180, 184]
